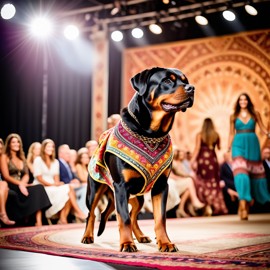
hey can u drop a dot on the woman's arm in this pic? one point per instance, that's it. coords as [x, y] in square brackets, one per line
[231, 133]
[196, 149]
[261, 125]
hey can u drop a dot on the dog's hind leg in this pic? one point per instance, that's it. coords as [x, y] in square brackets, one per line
[107, 212]
[159, 199]
[136, 204]
[124, 223]
[96, 190]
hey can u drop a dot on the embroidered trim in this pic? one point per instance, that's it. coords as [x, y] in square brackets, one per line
[149, 160]
[145, 139]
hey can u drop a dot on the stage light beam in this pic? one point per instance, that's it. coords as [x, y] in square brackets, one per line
[71, 32]
[229, 15]
[155, 28]
[251, 10]
[201, 20]
[117, 36]
[8, 11]
[137, 32]
[41, 27]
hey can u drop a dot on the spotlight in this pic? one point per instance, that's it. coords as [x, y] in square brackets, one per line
[116, 9]
[8, 11]
[117, 36]
[251, 10]
[228, 15]
[155, 28]
[201, 20]
[71, 32]
[41, 27]
[137, 32]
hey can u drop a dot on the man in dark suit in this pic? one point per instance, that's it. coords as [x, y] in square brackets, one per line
[227, 184]
[68, 177]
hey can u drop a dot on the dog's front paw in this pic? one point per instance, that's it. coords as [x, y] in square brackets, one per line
[167, 247]
[144, 239]
[87, 240]
[128, 247]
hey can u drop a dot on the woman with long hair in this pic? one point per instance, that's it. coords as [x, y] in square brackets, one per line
[31, 199]
[204, 162]
[33, 152]
[62, 196]
[248, 170]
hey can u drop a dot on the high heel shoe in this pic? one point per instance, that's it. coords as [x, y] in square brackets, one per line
[207, 211]
[5, 220]
[192, 210]
[181, 213]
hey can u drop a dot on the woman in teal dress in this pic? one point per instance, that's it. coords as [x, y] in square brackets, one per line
[248, 170]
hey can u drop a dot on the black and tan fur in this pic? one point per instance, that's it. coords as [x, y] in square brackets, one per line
[160, 93]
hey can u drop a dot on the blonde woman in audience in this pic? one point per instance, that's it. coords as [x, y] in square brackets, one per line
[31, 199]
[33, 152]
[81, 165]
[183, 177]
[62, 196]
[3, 195]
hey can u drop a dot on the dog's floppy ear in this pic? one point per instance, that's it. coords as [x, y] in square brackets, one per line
[140, 80]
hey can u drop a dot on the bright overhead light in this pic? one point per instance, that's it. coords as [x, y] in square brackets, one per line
[155, 28]
[251, 10]
[137, 32]
[117, 36]
[201, 20]
[71, 32]
[228, 15]
[41, 27]
[8, 11]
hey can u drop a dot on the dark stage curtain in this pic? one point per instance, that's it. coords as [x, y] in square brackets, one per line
[69, 100]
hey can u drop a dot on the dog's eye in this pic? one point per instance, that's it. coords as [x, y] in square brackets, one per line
[168, 81]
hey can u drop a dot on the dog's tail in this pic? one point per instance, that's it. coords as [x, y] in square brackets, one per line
[107, 212]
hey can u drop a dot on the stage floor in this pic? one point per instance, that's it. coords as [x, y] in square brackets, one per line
[220, 238]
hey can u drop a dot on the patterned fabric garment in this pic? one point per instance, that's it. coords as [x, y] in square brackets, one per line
[151, 160]
[208, 177]
[248, 170]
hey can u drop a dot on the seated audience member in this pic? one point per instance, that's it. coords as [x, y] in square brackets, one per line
[227, 184]
[67, 176]
[113, 120]
[62, 196]
[173, 200]
[31, 199]
[183, 176]
[81, 165]
[4, 219]
[72, 161]
[33, 152]
[91, 147]
[266, 164]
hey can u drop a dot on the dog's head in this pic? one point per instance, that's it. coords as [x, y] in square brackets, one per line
[164, 89]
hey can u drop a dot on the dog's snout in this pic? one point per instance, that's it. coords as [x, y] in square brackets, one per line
[189, 88]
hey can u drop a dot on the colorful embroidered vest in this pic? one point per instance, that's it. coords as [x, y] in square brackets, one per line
[150, 159]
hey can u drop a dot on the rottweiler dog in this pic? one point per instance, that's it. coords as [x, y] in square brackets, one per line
[135, 157]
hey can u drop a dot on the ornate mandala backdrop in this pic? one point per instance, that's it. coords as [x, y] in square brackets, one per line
[220, 68]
